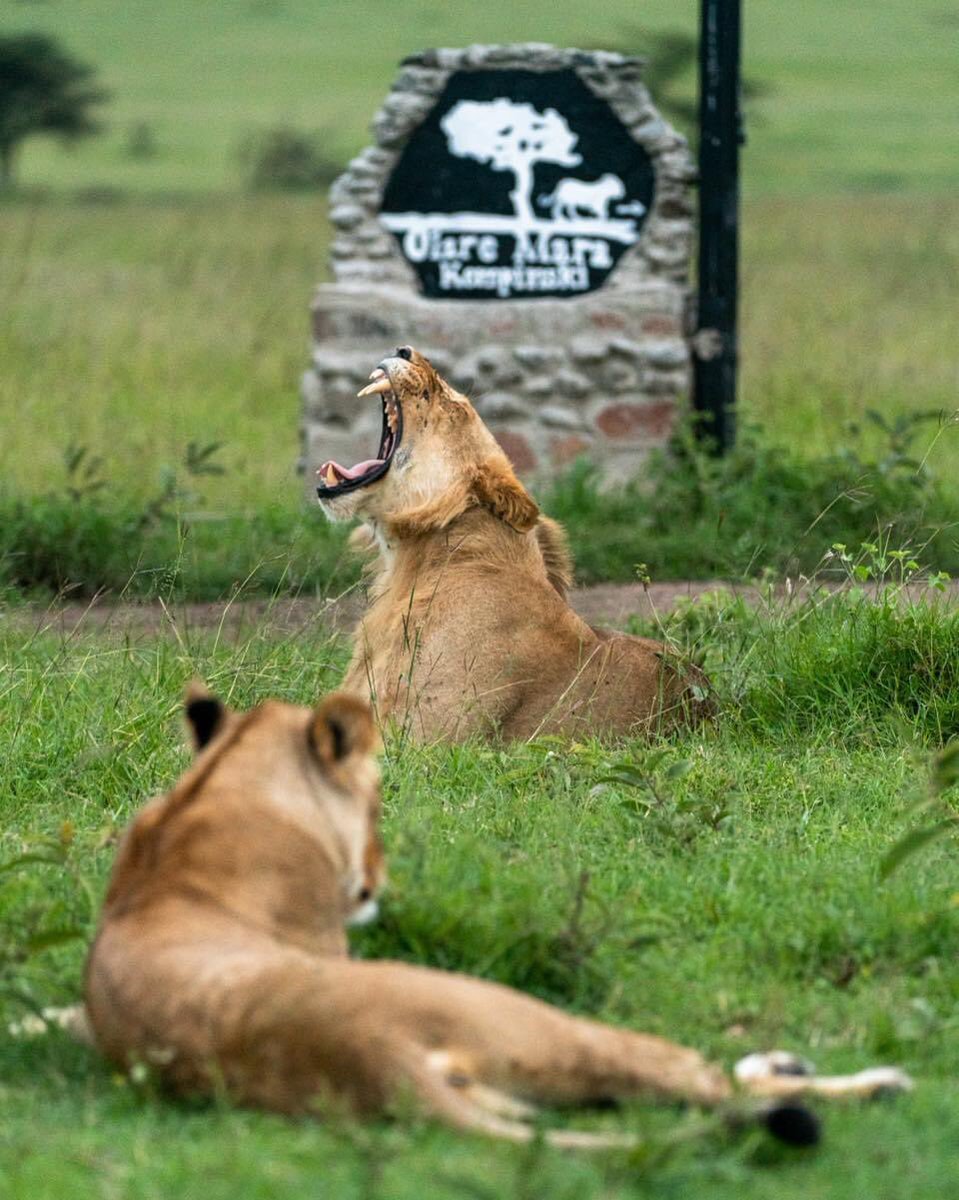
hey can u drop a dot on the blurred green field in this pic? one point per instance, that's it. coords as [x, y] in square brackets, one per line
[138, 326]
[863, 98]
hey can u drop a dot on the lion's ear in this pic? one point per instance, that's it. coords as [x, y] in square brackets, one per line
[342, 725]
[496, 486]
[205, 714]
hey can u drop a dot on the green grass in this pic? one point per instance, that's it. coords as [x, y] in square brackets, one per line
[860, 101]
[757, 509]
[55, 546]
[724, 892]
[137, 327]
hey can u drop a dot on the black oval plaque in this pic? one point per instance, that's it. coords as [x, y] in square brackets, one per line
[517, 185]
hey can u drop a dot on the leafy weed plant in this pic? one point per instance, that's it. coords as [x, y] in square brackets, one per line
[936, 808]
[868, 644]
[692, 515]
[85, 540]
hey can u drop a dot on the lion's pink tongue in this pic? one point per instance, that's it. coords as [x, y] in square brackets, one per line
[356, 471]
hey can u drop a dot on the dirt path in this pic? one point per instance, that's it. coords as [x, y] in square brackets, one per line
[603, 604]
[608, 603]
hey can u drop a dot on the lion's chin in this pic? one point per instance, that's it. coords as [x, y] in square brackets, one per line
[366, 914]
[341, 508]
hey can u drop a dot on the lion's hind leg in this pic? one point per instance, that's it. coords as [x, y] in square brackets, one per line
[449, 1089]
[778, 1073]
[457, 1074]
[534, 1054]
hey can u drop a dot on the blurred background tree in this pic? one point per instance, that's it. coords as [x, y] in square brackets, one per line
[283, 158]
[43, 89]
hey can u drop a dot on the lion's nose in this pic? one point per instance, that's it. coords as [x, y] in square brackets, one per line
[404, 352]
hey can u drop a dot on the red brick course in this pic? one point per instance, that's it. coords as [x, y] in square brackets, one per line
[518, 450]
[638, 420]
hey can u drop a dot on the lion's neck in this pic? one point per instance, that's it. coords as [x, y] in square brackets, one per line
[476, 535]
[384, 545]
[225, 860]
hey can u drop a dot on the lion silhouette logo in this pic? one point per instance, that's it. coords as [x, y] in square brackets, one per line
[572, 198]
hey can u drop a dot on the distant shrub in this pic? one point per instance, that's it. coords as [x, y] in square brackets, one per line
[288, 159]
[141, 141]
[52, 544]
[43, 90]
[83, 539]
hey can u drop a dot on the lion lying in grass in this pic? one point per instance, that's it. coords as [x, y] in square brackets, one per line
[468, 630]
[221, 959]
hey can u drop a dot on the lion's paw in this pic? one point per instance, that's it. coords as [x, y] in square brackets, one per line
[883, 1081]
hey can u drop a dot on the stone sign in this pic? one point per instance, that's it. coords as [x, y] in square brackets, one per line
[525, 220]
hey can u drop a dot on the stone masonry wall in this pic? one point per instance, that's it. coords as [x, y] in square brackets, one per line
[602, 373]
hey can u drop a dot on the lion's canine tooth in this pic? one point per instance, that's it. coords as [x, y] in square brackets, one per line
[330, 477]
[376, 373]
[378, 387]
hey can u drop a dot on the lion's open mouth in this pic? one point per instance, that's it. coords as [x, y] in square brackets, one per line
[334, 479]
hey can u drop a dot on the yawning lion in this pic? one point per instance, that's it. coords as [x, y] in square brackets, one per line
[221, 963]
[468, 630]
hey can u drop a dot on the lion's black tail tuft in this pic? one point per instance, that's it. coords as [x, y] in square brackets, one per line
[793, 1124]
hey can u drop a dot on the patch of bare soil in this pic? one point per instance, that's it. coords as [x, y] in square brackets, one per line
[603, 604]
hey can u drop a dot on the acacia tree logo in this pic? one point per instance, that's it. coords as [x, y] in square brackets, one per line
[561, 246]
[511, 136]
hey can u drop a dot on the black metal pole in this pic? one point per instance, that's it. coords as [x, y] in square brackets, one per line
[720, 133]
